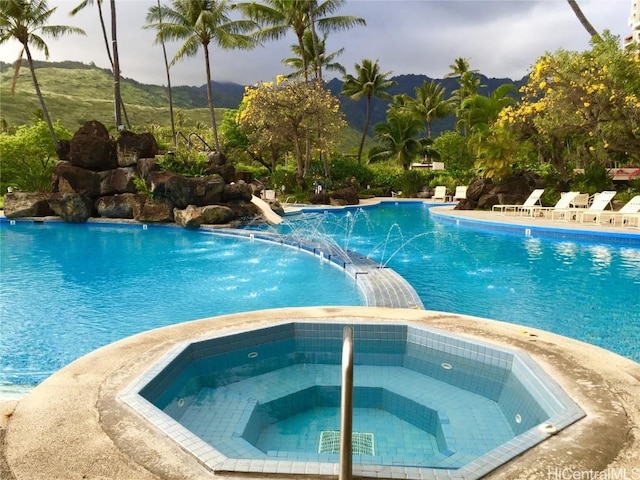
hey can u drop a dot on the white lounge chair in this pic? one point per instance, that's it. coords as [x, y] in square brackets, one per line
[599, 204]
[461, 193]
[440, 193]
[533, 200]
[628, 211]
[631, 220]
[562, 204]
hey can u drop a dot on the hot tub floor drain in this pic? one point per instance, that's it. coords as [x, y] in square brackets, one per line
[361, 443]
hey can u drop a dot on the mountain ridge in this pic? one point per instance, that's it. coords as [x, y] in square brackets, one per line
[226, 94]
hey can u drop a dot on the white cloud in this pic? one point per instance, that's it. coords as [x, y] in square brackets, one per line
[502, 38]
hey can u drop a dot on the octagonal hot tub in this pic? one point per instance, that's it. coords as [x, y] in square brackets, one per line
[426, 402]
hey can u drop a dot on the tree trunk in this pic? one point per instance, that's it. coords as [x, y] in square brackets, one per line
[366, 127]
[116, 66]
[583, 20]
[166, 64]
[106, 44]
[45, 112]
[210, 98]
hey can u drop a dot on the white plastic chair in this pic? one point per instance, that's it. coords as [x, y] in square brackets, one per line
[440, 193]
[532, 201]
[461, 193]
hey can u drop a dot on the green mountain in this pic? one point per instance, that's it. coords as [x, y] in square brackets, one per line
[76, 92]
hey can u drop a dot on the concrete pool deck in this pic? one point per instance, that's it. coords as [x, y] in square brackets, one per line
[73, 426]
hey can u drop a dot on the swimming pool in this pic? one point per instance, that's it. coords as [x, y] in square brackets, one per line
[69, 289]
[428, 404]
[584, 289]
[82, 284]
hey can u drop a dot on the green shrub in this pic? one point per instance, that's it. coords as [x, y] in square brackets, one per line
[594, 179]
[411, 182]
[187, 162]
[27, 157]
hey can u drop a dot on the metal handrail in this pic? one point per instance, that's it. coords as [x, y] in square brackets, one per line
[346, 406]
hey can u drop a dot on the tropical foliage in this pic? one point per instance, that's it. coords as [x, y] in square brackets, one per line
[27, 22]
[580, 108]
[279, 118]
[27, 157]
[368, 82]
[198, 23]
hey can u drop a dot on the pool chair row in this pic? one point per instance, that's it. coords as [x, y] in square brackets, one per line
[579, 207]
[440, 193]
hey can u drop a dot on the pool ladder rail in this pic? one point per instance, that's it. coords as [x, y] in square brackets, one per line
[346, 406]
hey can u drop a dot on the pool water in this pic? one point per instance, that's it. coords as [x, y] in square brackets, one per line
[585, 290]
[69, 289]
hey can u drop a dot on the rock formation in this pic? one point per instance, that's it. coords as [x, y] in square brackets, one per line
[100, 176]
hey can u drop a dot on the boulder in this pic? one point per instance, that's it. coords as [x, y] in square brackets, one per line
[67, 178]
[321, 198]
[62, 149]
[190, 217]
[71, 207]
[345, 196]
[216, 159]
[239, 191]
[217, 215]
[243, 210]
[26, 204]
[132, 146]
[276, 207]
[117, 180]
[182, 191]
[118, 206]
[153, 211]
[146, 166]
[91, 148]
[227, 172]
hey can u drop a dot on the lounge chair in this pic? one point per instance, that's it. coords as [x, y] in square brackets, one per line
[600, 202]
[533, 200]
[440, 193]
[631, 220]
[628, 211]
[563, 204]
[461, 193]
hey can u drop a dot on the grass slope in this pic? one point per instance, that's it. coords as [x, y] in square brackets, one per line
[77, 95]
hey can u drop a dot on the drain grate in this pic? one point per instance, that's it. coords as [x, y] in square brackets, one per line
[361, 443]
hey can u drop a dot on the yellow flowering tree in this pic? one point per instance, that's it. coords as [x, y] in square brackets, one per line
[279, 118]
[581, 108]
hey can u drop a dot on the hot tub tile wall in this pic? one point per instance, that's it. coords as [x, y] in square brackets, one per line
[392, 341]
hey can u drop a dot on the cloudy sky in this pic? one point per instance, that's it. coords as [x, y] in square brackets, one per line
[501, 38]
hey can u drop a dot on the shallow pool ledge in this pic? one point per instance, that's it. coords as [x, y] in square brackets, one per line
[73, 423]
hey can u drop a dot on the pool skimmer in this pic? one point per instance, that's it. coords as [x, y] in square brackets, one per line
[361, 443]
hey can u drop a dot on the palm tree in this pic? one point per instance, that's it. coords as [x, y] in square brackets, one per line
[459, 67]
[369, 82]
[399, 138]
[430, 103]
[278, 17]
[583, 19]
[483, 111]
[198, 23]
[21, 20]
[469, 86]
[327, 61]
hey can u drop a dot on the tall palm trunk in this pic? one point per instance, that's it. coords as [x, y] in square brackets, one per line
[366, 127]
[116, 66]
[106, 44]
[166, 64]
[583, 19]
[210, 98]
[45, 112]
